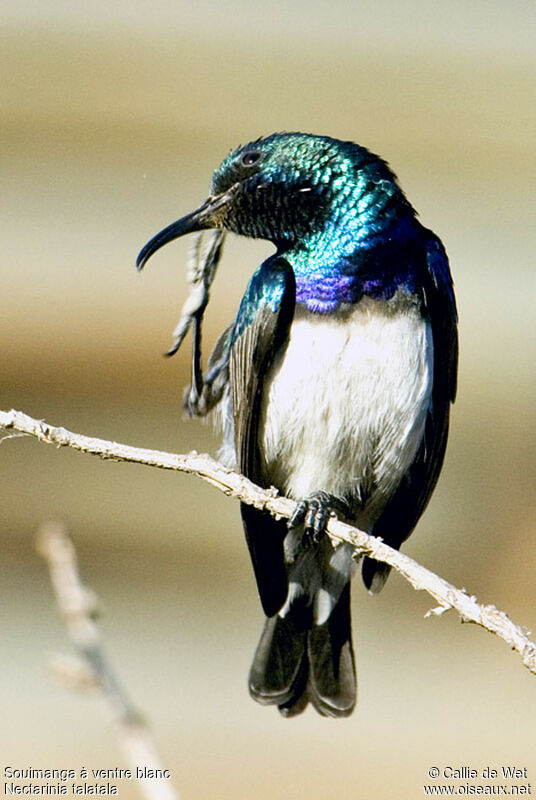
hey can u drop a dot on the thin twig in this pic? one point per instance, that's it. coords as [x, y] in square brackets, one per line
[235, 485]
[78, 607]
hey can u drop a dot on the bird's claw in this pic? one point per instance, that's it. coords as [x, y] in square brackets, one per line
[313, 513]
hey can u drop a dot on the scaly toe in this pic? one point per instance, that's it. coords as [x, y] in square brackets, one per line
[299, 515]
[314, 512]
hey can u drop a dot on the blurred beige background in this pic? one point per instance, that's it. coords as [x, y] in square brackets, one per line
[113, 117]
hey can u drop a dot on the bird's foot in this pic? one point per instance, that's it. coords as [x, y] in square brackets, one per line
[314, 511]
[198, 401]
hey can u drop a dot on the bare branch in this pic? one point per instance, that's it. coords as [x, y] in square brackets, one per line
[78, 607]
[235, 485]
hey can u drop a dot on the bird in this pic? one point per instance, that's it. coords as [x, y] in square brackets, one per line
[334, 385]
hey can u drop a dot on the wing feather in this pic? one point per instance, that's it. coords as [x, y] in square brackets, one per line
[411, 498]
[260, 330]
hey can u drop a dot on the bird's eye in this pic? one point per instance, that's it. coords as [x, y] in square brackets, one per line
[250, 157]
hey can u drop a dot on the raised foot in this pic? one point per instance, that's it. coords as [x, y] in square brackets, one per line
[313, 513]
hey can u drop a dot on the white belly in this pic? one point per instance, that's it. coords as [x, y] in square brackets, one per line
[345, 404]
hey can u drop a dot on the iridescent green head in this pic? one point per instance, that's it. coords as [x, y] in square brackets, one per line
[287, 186]
[290, 188]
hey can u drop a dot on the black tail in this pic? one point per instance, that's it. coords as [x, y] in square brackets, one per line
[297, 661]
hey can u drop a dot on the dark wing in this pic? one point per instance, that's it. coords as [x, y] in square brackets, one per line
[260, 330]
[409, 501]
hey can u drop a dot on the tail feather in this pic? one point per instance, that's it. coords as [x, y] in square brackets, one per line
[297, 662]
[296, 704]
[278, 674]
[332, 678]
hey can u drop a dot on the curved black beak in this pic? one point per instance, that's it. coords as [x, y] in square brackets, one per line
[209, 215]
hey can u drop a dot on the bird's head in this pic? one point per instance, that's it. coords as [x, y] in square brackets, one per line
[285, 188]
